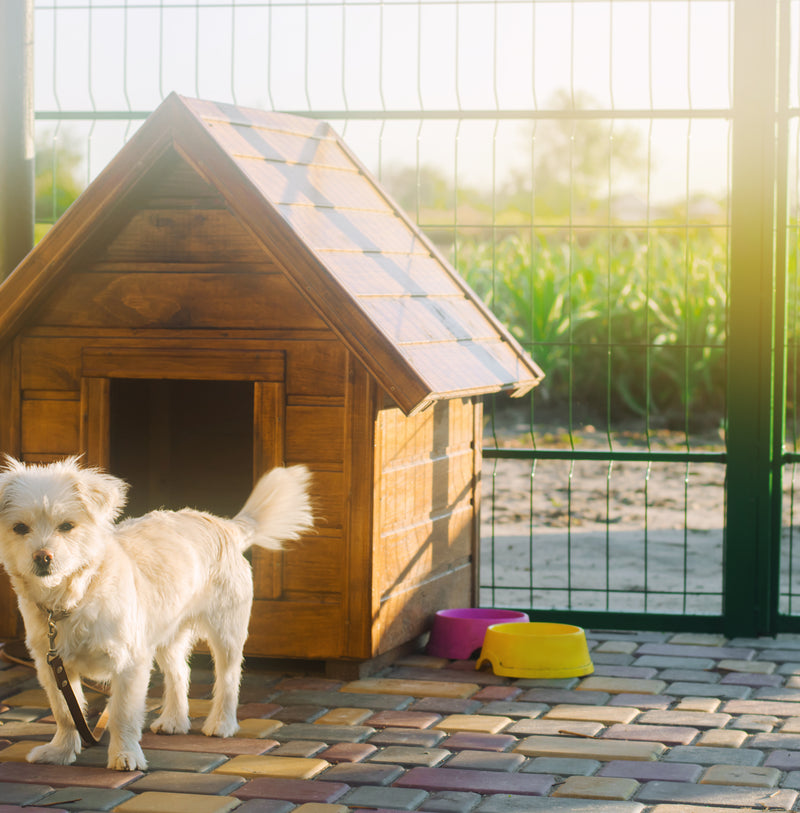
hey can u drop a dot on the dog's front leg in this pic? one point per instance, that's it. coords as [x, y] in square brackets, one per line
[126, 710]
[66, 744]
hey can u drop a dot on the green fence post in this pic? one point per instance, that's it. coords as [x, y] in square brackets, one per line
[751, 551]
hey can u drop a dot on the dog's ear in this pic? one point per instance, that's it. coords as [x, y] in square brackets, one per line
[103, 494]
[10, 467]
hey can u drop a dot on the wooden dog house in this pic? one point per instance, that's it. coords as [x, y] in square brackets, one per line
[234, 292]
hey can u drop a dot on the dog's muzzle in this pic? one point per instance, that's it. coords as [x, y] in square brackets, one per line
[43, 562]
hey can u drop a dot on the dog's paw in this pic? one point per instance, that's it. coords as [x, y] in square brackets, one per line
[170, 725]
[220, 728]
[132, 759]
[55, 753]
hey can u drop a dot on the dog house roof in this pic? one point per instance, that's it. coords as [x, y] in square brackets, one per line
[322, 218]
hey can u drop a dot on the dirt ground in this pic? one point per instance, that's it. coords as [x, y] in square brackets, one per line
[625, 536]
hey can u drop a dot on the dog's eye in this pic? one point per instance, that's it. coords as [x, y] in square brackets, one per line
[20, 529]
[66, 527]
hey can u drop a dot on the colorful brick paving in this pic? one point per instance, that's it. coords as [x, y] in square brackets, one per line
[668, 723]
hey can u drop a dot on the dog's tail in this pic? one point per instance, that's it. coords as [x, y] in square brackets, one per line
[279, 509]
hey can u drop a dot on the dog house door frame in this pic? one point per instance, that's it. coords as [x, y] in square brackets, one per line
[264, 367]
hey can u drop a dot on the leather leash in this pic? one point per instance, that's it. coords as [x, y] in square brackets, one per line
[62, 681]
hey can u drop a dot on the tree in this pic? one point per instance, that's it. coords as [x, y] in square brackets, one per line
[57, 170]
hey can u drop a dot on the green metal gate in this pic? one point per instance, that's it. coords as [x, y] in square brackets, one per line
[650, 481]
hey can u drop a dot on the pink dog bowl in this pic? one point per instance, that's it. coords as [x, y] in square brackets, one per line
[459, 633]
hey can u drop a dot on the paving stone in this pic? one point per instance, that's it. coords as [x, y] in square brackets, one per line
[307, 683]
[652, 771]
[22, 793]
[625, 647]
[514, 709]
[561, 766]
[791, 780]
[599, 714]
[715, 690]
[474, 723]
[713, 756]
[791, 726]
[157, 760]
[207, 784]
[347, 752]
[706, 705]
[257, 710]
[642, 701]
[299, 713]
[463, 740]
[404, 755]
[674, 662]
[491, 693]
[754, 722]
[722, 738]
[602, 749]
[408, 736]
[770, 740]
[754, 681]
[725, 796]
[411, 688]
[780, 696]
[778, 655]
[792, 668]
[85, 798]
[343, 717]
[615, 685]
[553, 697]
[265, 806]
[28, 731]
[299, 748]
[452, 801]
[669, 735]
[483, 782]
[59, 776]
[548, 683]
[328, 733]
[577, 727]
[257, 728]
[755, 667]
[385, 798]
[600, 659]
[688, 651]
[285, 767]
[318, 807]
[22, 714]
[698, 639]
[695, 719]
[329, 700]
[689, 676]
[362, 773]
[620, 669]
[458, 672]
[761, 707]
[741, 775]
[402, 719]
[486, 761]
[291, 790]
[162, 802]
[509, 803]
[783, 760]
[445, 705]
[194, 743]
[597, 787]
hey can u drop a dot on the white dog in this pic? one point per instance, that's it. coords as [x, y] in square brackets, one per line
[130, 592]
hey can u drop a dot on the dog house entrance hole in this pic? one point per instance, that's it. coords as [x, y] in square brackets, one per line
[182, 443]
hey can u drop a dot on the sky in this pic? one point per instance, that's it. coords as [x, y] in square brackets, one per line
[469, 57]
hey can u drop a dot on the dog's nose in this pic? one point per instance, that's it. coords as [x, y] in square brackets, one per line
[43, 559]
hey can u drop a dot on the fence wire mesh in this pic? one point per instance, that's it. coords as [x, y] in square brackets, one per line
[573, 158]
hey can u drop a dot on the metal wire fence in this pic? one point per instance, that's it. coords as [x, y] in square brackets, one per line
[574, 158]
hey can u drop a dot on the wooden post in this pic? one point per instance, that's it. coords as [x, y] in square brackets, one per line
[16, 133]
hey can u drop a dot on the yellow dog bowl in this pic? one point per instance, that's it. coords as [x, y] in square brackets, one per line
[536, 650]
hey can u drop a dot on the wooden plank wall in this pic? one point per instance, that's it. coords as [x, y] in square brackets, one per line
[182, 271]
[426, 509]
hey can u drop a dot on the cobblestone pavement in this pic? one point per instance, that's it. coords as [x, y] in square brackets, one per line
[668, 723]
